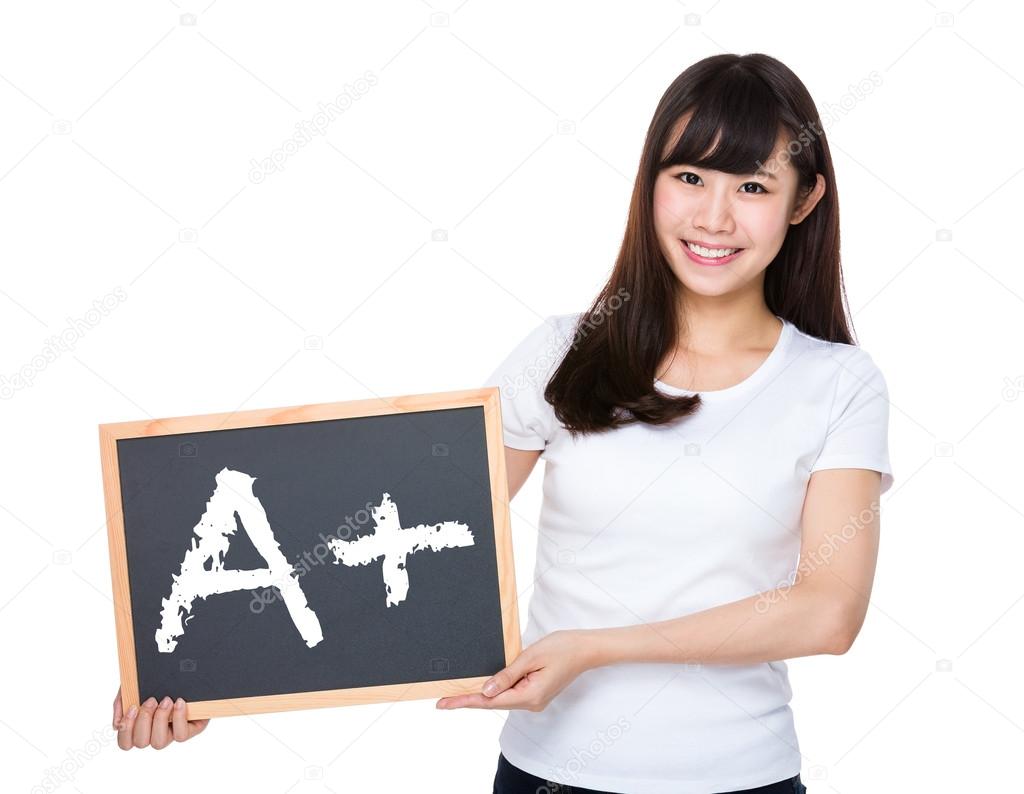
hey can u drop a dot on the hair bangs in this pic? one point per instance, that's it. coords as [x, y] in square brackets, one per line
[733, 127]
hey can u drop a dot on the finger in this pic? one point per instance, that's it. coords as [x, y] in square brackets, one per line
[118, 710]
[161, 731]
[471, 701]
[510, 676]
[196, 727]
[144, 723]
[184, 728]
[474, 700]
[124, 733]
[509, 699]
[518, 697]
[526, 694]
[178, 722]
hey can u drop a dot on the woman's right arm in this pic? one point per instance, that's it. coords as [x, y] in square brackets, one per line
[519, 463]
[154, 724]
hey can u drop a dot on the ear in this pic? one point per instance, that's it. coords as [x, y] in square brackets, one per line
[808, 201]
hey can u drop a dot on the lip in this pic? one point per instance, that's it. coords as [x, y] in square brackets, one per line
[702, 260]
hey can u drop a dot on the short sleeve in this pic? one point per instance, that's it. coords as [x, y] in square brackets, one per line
[858, 430]
[528, 420]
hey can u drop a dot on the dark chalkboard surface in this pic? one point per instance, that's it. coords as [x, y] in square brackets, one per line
[311, 556]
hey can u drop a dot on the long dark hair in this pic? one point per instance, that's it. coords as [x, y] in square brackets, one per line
[606, 378]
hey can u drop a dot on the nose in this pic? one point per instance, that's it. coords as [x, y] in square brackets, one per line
[713, 213]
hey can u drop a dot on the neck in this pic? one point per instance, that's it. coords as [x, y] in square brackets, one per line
[711, 326]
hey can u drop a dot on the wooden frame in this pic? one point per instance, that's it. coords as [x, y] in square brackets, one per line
[487, 398]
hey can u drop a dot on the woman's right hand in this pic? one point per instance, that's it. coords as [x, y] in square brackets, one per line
[154, 724]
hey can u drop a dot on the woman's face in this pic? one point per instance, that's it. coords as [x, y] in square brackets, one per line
[751, 212]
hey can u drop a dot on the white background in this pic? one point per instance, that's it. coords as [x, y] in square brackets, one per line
[126, 146]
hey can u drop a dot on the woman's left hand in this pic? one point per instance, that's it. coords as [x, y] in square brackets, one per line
[536, 675]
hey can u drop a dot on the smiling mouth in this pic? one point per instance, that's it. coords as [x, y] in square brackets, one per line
[711, 252]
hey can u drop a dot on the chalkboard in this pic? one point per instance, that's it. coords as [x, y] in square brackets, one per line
[317, 555]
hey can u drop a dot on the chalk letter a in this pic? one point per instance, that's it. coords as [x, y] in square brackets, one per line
[203, 573]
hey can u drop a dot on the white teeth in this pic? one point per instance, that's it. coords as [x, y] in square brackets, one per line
[711, 253]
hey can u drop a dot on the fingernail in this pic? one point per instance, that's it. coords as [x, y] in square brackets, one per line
[132, 712]
[150, 702]
[179, 704]
[165, 703]
[490, 688]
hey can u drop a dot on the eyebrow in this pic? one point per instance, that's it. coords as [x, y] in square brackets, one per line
[761, 172]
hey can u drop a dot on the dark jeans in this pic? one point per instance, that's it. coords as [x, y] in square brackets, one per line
[513, 780]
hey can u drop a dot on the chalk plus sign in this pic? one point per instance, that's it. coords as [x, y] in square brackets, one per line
[394, 543]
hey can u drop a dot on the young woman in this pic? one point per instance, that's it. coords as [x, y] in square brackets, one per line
[716, 447]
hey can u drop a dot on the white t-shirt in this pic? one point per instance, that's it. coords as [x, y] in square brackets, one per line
[644, 523]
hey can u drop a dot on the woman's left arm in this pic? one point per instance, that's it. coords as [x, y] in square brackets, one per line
[821, 612]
